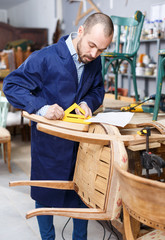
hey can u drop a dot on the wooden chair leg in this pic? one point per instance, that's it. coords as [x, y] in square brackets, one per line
[118, 224]
[127, 225]
[9, 155]
[135, 227]
[4, 152]
[131, 226]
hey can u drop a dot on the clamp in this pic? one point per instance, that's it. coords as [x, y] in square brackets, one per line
[150, 160]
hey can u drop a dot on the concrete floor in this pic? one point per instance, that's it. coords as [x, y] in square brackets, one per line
[15, 202]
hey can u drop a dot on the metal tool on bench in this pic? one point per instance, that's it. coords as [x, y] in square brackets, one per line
[141, 107]
[150, 160]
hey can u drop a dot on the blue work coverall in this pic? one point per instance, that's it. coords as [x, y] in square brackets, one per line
[47, 77]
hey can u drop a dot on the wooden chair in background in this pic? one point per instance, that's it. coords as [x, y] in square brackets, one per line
[143, 200]
[16, 123]
[13, 58]
[5, 137]
[130, 42]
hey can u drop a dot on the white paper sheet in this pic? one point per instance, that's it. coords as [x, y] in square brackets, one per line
[120, 119]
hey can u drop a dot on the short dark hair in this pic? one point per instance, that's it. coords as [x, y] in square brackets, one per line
[97, 18]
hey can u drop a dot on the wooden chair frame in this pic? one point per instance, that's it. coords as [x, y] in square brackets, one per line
[101, 146]
[106, 145]
[143, 199]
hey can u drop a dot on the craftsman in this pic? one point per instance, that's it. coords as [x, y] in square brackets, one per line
[47, 83]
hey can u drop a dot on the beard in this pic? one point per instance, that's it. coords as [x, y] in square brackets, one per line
[83, 57]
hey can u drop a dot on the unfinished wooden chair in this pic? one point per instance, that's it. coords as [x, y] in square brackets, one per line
[94, 177]
[143, 200]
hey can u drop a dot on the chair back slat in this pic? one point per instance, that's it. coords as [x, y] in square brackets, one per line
[118, 39]
[129, 47]
[125, 41]
[124, 28]
[140, 18]
[92, 171]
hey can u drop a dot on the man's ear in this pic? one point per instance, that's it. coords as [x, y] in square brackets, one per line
[80, 31]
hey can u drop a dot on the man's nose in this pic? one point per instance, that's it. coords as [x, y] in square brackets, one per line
[94, 53]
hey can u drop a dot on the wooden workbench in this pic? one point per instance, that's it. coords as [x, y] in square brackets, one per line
[110, 103]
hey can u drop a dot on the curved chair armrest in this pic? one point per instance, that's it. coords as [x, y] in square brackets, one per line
[101, 139]
[57, 123]
[67, 185]
[81, 213]
[77, 136]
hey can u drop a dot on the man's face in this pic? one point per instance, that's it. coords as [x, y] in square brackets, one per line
[92, 44]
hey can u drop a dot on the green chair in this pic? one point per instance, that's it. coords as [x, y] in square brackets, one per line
[5, 137]
[130, 42]
[161, 75]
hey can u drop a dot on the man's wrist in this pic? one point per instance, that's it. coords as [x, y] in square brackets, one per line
[42, 111]
[82, 103]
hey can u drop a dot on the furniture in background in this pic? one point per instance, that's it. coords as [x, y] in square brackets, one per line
[149, 47]
[127, 41]
[16, 123]
[57, 33]
[12, 59]
[16, 44]
[161, 75]
[20, 56]
[12, 37]
[5, 137]
[39, 36]
[143, 200]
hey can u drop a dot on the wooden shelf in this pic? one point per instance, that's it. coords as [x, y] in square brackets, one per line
[152, 40]
[140, 76]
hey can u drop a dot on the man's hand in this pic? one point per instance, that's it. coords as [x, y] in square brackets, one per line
[54, 112]
[87, 110]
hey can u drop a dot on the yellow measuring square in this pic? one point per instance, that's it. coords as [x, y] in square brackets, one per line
[75, 118]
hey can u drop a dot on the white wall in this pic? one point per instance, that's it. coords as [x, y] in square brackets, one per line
[3, 15]
[34, 13]
[120, 8]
